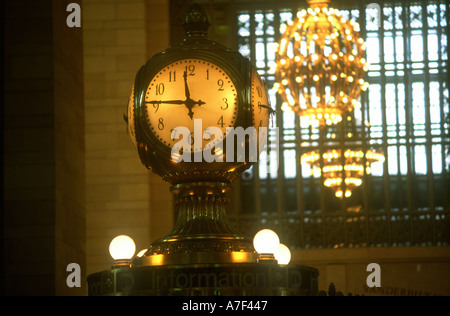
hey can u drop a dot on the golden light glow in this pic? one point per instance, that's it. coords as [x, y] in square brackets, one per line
[320, 57]
[283, 254]
[343, 174]
[266, 241]
[122, 247]
[141, 253]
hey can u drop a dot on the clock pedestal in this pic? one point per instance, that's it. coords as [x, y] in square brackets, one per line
[202, 232]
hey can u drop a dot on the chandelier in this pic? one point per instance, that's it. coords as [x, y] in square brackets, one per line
[320, 65]
[343, 173]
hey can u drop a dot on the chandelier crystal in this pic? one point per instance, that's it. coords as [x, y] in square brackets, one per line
[320, 64]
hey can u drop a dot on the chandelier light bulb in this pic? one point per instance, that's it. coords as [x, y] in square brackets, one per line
[266, 241]
[122, 247]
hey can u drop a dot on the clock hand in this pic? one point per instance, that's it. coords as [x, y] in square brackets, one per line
[199, 102]
[186, 88]
[167, 102]
[190, 105]
[189, 102]
[268, 107]
[156, 104]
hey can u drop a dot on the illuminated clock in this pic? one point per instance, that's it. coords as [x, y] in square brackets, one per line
[196, 107]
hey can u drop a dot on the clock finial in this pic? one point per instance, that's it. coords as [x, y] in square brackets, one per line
[196, 21]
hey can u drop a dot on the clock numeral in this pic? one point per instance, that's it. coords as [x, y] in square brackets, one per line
[160, 89]
[260, 123]
[161, 124]
[191, 139]
[259, 105]
[172, 76]
[190, 70]
[224, 107]
[207, 74]
[206, 134]
[220, 121]
[220, 83]
[156, 106]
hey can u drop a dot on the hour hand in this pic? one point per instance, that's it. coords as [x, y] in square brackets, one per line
[157, 103]
[166, 102]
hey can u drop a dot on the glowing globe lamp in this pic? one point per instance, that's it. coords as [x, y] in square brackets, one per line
[266, 243]
[283, 254]
[122, 249]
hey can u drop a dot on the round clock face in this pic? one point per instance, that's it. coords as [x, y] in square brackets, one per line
[190, 93]
[260, 102]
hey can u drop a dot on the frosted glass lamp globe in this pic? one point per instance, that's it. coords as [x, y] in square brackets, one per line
[122, 247]
[283, 254]
[266, 242]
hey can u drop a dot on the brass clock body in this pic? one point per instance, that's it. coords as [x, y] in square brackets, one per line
[198, 93]
[195, 82]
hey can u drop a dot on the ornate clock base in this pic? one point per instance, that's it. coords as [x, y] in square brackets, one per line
[237, 279]
[204, 255]
[203, 232]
